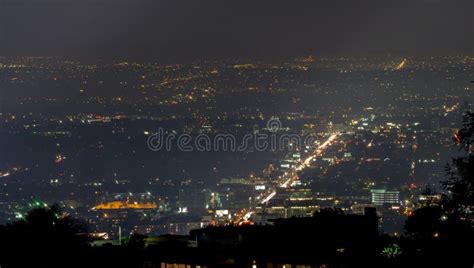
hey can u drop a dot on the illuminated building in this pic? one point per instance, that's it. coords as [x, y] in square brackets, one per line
[124, 205]
[382, 196]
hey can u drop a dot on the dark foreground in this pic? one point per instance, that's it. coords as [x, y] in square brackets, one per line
[329, 239]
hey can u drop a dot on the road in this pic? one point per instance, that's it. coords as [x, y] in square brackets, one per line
[288, 179]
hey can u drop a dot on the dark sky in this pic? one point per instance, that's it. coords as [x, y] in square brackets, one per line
[184, 30]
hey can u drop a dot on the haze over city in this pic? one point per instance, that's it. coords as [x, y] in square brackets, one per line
[167, 130]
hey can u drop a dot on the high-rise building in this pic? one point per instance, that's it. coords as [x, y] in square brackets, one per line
[382, 196]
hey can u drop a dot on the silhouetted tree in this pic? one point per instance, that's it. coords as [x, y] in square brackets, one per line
[439, 232]
[425, 222]
[460, 182]
[42, 236]
[136, 241]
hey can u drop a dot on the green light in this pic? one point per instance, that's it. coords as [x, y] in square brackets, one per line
[391, 251]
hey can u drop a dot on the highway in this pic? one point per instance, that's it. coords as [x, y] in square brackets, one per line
[287, 180]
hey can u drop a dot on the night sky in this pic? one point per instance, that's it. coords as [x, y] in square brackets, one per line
[185, 30]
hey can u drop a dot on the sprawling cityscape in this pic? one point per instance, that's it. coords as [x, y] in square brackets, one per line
[256, 134]
[77, 134]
